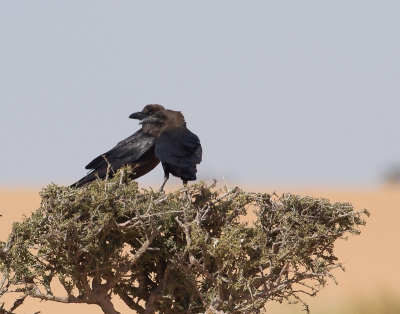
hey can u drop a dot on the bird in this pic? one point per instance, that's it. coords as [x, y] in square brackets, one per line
[137, 150]
[178, 149]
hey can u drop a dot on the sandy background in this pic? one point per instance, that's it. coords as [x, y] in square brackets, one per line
[372, 259]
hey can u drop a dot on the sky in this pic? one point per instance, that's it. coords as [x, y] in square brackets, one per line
[279, 92]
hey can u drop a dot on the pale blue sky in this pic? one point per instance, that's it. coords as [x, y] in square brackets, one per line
[279, 92]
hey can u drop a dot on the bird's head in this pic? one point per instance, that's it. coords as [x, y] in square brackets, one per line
[168, 118]
[147, 111]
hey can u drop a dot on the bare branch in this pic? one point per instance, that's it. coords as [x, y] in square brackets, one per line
[124, 269]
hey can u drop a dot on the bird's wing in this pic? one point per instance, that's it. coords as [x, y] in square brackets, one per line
[179, 147]
[126, 151]
[192, 144]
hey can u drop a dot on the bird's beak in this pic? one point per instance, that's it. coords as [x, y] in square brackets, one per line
[150, 119]
[137, 115]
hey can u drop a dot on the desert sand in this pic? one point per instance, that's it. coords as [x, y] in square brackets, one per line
[372, 259]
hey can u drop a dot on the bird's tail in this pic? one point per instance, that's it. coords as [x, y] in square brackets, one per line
[86, 179]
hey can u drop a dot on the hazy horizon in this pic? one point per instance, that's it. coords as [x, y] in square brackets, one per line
[278, 92]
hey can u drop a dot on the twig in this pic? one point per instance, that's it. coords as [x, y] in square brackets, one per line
[124, 269]
[186, 228]
[130, 221]
[18, 303]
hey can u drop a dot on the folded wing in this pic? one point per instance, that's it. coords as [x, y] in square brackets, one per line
[137, 150]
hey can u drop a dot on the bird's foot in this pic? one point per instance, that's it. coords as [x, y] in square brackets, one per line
[162, 192]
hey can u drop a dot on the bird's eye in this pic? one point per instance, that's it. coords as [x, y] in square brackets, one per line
[150, 113]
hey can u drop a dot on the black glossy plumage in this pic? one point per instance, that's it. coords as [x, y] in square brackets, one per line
[179, 151]
[137, 150]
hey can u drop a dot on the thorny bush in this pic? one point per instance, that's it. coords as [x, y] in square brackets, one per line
[190, 251]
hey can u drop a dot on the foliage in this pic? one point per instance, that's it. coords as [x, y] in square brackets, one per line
[189, 251]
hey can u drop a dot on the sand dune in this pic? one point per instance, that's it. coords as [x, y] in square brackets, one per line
[372, 259]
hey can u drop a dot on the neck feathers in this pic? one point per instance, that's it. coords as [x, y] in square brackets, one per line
[154, 129]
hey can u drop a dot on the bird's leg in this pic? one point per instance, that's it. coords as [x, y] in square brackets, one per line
[166, 177]
[187, 193]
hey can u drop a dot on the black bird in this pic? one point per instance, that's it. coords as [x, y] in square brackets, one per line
[178, 149]
[137, 150]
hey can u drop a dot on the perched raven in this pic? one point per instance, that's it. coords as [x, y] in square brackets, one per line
[177, 148]
[137, 150]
